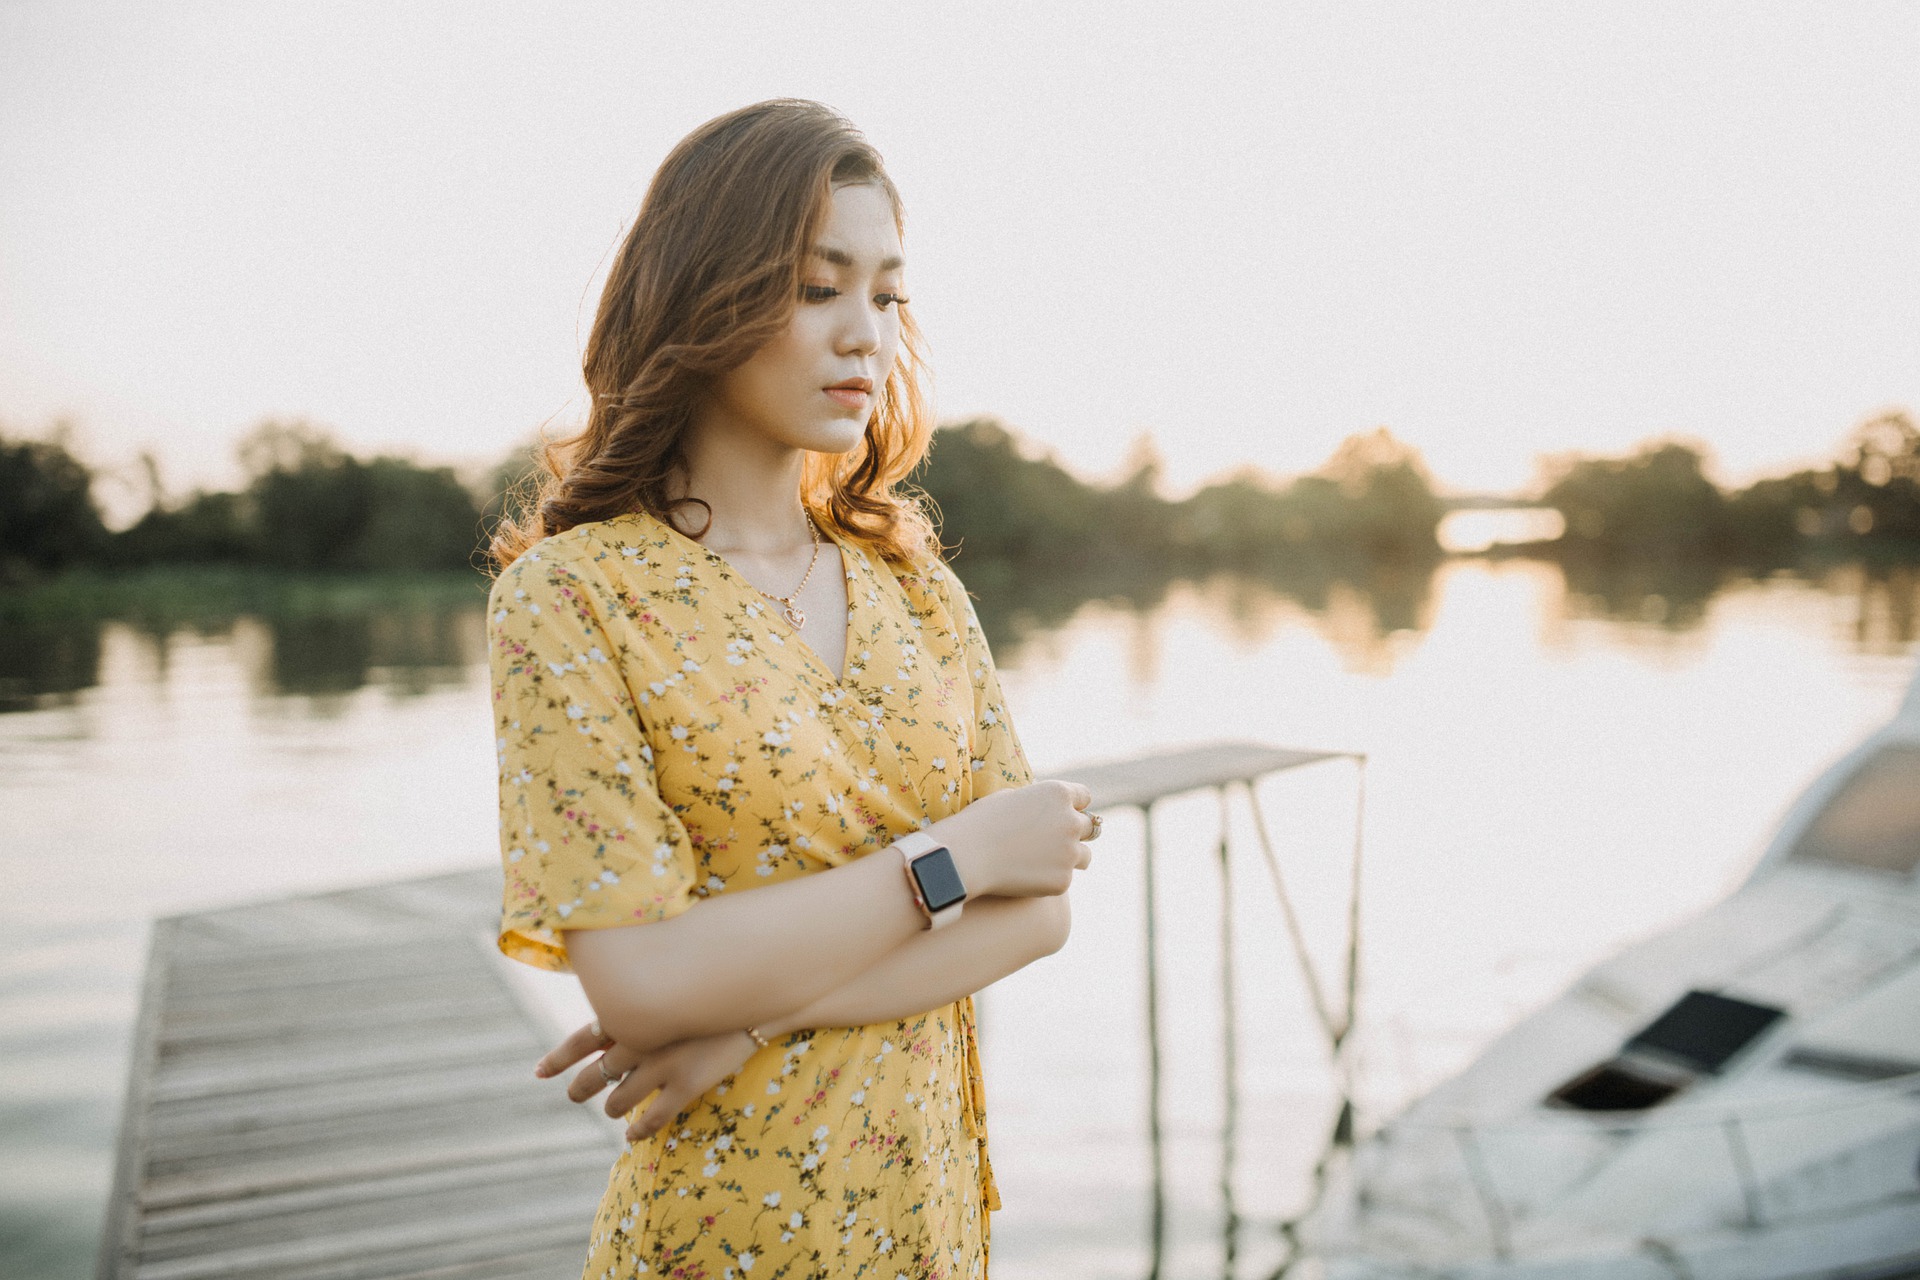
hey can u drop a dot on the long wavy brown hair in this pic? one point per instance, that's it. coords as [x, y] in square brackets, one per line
[711, 270]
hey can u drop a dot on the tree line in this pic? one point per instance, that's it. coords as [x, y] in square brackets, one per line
[307, 504]
[1658, 503]
[1372, 501]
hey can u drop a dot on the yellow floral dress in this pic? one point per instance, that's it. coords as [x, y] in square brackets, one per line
[665, 736]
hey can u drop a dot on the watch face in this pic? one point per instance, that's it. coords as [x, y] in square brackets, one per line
[939, 879]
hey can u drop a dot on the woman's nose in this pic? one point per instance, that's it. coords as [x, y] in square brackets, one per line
[860, 331]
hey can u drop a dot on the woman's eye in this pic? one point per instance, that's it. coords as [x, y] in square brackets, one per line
[827, 293]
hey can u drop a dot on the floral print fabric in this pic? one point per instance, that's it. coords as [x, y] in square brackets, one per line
[664, 735]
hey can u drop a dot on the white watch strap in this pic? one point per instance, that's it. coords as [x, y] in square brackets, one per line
[915, 843]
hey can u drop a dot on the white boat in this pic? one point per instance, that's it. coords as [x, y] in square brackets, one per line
[1735, 1098]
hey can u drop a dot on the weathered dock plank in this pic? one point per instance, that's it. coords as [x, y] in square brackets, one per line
[340, 1087]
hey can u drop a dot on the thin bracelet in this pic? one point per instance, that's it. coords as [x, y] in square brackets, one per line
[757, 1037]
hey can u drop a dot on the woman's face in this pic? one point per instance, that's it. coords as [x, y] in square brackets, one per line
[813, 387]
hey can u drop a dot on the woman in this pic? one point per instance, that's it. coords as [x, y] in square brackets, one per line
[758, 790]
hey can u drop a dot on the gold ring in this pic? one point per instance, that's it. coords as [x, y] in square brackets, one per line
[1095, 833]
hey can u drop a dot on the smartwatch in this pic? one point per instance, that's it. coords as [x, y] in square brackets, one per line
[933, 877]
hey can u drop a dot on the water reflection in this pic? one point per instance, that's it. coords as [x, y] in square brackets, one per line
[408, 652]
[1887, 618]
[1360, 608]
[316, 640]
[1671, 595]
[328, 640]
[1675, 596]
[44, 663]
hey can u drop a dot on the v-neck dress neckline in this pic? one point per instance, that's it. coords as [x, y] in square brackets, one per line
[850, 631]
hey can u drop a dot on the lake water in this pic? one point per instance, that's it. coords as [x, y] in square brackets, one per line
[1554, 770]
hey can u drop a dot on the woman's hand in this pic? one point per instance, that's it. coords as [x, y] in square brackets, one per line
[680, 1072]
[1021, 843]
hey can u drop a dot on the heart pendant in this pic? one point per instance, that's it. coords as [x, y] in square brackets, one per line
[795, 618]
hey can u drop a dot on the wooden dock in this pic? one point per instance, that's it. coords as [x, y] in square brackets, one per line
[340, 1087]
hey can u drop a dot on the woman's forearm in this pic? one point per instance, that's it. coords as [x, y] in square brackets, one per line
[734, 960]
[745, 958]
[992, 938]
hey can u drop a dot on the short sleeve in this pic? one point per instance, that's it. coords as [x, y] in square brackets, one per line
[997, 760]
[586, 841]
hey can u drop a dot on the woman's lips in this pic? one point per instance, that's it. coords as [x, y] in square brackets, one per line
[851, 397]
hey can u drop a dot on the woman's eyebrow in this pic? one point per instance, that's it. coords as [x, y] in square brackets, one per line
[841, 258]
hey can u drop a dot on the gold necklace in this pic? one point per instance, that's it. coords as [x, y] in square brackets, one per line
[795, 616]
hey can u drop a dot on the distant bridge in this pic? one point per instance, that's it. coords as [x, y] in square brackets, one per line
[1476, 521]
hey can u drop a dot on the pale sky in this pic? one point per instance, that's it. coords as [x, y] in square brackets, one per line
[1249, 229]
